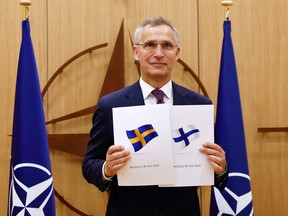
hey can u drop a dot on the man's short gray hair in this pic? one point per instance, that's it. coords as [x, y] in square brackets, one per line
[155, 21]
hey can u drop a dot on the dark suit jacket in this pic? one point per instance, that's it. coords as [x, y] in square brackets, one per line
[137, 200]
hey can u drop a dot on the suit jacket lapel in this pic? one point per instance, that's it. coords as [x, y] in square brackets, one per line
[179, 96]
[133, 95]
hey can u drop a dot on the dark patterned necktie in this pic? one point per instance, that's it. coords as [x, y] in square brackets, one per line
[159, 94]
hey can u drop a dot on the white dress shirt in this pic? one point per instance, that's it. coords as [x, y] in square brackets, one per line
[149, 98]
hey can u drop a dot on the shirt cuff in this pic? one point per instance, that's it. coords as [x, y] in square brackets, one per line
[220, 175]
[105, 178]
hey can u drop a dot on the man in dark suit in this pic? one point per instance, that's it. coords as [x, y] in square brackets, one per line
[156, 49]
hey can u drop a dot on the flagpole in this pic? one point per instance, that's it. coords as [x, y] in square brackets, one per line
[25, 4]
[227, 4]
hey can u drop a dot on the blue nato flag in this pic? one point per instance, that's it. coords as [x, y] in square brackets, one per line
[236, 198]
[31, 189]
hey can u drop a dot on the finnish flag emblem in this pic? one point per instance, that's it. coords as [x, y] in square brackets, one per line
[184, 136]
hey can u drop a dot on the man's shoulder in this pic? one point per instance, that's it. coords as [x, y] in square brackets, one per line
[193, 96]
[123, 91]
[119, 96]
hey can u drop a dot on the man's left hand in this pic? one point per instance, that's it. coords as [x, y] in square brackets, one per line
[216, 155]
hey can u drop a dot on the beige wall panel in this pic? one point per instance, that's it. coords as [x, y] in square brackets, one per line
[10, 31]
[260, 46]
[271, 151]
[68, 181]
[73, 26]
[11, 15]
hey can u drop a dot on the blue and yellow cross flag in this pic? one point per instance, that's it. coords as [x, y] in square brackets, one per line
[141, 136]
[31, 189]
[236, 198]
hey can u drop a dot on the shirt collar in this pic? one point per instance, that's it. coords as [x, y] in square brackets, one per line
[147, 89]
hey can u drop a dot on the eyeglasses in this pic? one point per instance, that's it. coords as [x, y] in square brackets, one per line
[152, 46]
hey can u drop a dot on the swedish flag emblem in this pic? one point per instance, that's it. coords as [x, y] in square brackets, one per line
[140, 136]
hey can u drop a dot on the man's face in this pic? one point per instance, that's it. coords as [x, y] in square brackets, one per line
[156, 54]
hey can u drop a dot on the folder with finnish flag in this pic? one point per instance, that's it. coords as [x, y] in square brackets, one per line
[164, 143]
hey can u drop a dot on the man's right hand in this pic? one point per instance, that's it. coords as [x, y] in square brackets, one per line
[116, 158]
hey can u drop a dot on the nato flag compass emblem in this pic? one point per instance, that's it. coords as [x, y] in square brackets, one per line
[237, 202]
[29, 198]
